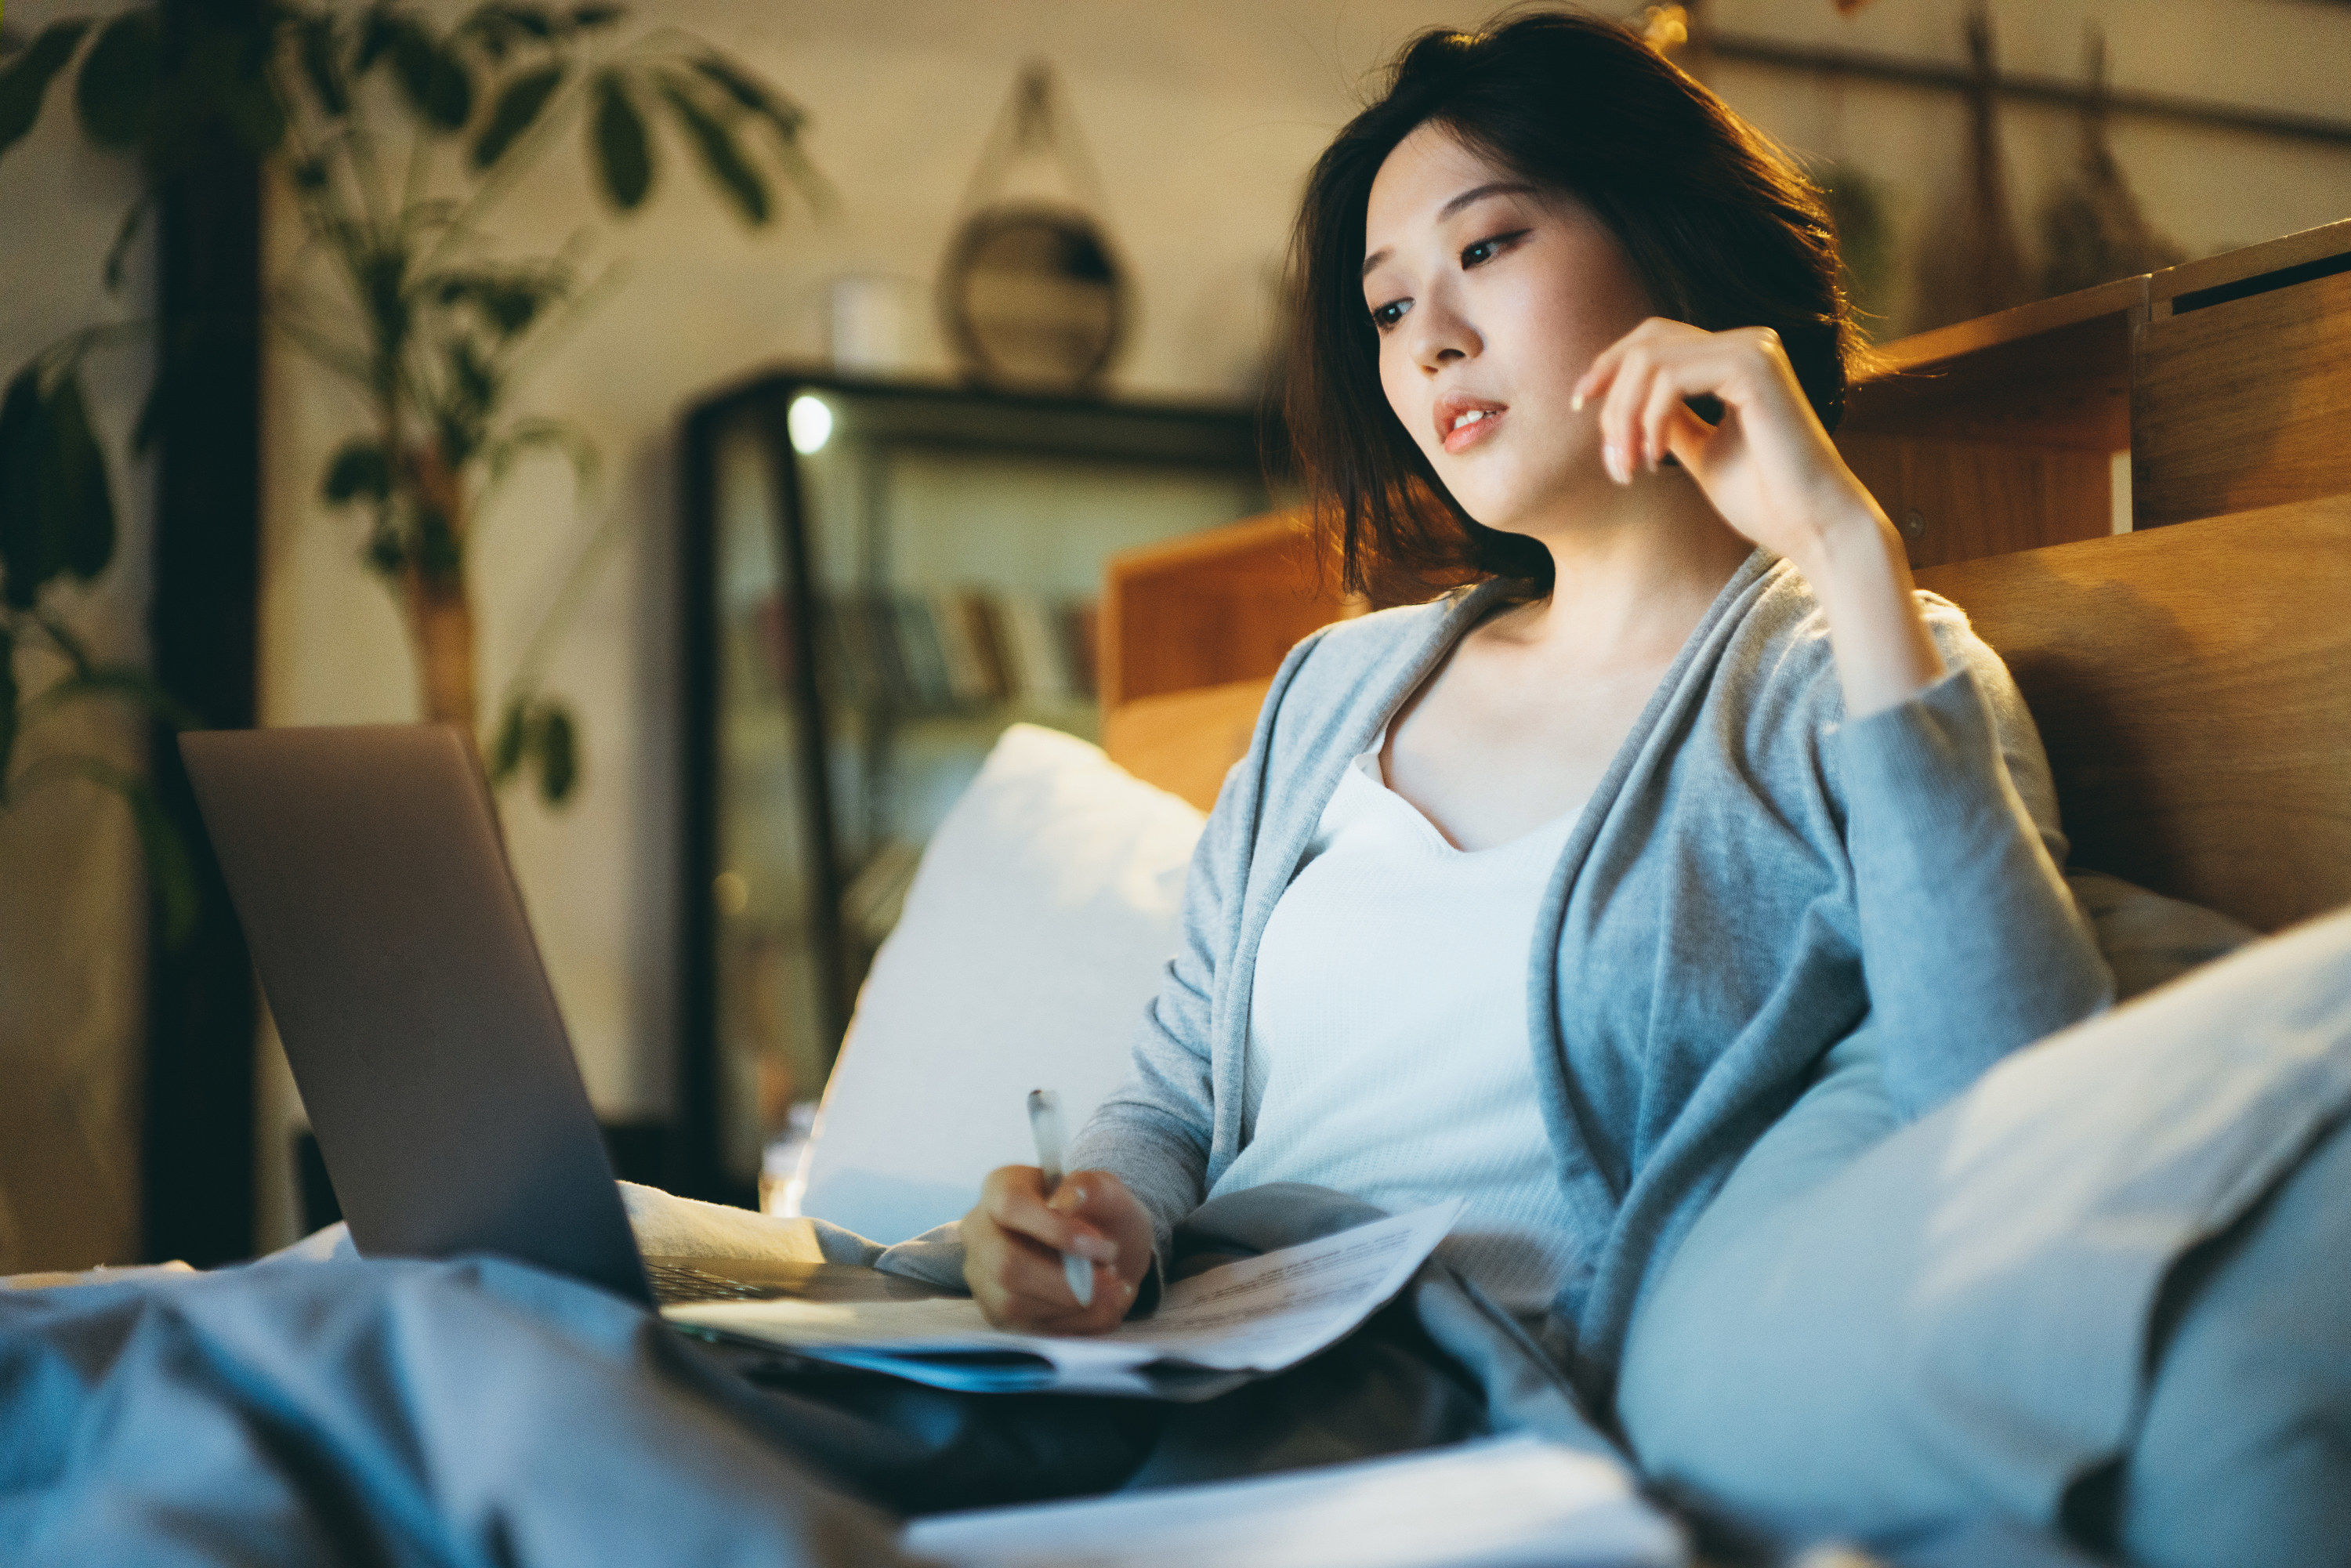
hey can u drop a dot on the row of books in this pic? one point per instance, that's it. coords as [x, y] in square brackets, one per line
[945, 651]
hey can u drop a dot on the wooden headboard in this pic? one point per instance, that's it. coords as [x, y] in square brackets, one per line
[2192, 679]
[2193, 686]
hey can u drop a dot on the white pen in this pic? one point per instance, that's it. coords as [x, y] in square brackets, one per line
[1045, 1122]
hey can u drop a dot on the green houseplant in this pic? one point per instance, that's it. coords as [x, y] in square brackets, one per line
[397, 140]
[57, 527]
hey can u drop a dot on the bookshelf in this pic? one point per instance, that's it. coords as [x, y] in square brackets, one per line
[877, 578]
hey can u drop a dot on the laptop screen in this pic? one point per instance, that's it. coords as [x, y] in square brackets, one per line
[367, 867]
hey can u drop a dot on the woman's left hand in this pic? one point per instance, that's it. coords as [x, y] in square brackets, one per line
[1770, 469]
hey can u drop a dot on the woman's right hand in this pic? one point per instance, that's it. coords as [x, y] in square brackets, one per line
[1014, 1240]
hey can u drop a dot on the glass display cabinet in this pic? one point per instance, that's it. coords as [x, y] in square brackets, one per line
[878, 579]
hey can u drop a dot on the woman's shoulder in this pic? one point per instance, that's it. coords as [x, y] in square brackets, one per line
[1339, 684]
[1402, 624]
[1781, 636]
[1774, 681]
[1341, 660]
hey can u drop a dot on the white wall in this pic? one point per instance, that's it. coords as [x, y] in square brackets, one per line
[72, 885]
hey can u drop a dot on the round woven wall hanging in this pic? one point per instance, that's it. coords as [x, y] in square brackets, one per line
[1032, 292]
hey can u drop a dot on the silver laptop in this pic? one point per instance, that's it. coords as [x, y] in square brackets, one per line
[367, 867]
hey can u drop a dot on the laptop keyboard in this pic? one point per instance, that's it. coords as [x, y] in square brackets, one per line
[675, 1282]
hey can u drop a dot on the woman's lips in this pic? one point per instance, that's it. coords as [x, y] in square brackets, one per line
[1464, 428]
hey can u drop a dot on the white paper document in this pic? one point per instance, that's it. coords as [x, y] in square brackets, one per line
[1510, 1502]
[1259, 1315]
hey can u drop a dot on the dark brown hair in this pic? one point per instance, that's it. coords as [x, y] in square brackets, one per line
[1719, 225]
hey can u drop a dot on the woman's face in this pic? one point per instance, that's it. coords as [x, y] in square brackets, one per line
[1491, 300]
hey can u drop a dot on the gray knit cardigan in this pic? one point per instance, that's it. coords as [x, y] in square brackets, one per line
[1752, 879]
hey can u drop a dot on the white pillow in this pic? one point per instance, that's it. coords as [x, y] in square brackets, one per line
[1880, 1335]
[2149, 940]
[1045, 907]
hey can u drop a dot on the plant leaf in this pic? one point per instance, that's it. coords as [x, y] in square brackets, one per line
[435, 551]
[222, 77]
[784, 117]
[25, 81]
[57, 511]
[512, 305]
[118, 255]
[752, 94]
[517, 107]
[383, 275]
[506, 751]
[558, 753]
[76, 651]
[476, 384]
[530, 19]
[624, 157]
[359, 469]
[322, 68]
[155, 410]
[486, 31]
[434, 80]
[9, 721]
[168, 867]
[385, 555]
[377, 34]
[115, 92]
[79, 489]
[120, 681]
[507, 302]
[497, 28]
[567, 439]
[26, 562]
[412, 54]
[721, 157]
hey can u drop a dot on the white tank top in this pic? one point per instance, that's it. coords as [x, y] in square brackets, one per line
[1388, 1054]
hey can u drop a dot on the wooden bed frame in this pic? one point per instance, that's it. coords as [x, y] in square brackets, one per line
[2192, 677]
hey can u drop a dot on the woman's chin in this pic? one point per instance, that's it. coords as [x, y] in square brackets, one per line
[1537, 511]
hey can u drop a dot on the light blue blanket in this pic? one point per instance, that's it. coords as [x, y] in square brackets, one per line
[480, 1413]
[392, 1413]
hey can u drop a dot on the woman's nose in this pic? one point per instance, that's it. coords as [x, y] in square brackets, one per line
[1442, 336]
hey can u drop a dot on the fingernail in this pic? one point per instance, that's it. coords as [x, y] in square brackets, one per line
[1094, 1248]
[1575, 404]
[1612, 457]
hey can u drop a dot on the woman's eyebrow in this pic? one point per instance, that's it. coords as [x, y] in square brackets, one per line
[1479, 193]
[1475, 194]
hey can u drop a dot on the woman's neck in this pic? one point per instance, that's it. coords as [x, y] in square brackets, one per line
[1633, 572]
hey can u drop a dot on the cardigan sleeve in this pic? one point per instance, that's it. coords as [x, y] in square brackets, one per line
[1154, 1131]
[1971, 944]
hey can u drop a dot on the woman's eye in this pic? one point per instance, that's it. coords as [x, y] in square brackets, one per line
[1386, 316]
[1486, 250]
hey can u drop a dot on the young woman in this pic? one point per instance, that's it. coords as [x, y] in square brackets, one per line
[1551, 892]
